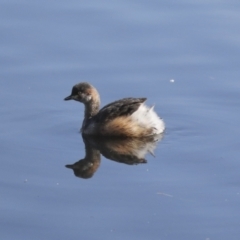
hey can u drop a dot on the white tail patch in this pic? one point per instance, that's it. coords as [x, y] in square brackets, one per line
[147, 118]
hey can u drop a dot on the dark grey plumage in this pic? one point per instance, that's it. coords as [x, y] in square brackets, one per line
[122, 107]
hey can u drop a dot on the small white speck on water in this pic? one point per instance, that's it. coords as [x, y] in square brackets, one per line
[172, 80]
[147, 169]
[25, 180]
[57, 183]
[164, 194]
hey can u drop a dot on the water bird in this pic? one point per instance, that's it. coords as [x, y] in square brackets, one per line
[127, 117]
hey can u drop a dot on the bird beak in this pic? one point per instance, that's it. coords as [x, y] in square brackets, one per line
[68, 98]
[70, 166]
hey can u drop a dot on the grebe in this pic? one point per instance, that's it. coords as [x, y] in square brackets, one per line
[127, 117]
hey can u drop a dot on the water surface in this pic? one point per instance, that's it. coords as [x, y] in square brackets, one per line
[190, 189]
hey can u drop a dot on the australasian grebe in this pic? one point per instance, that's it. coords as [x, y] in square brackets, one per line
[127, 117]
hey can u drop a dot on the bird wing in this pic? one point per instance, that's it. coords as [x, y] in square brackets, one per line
[123, 107]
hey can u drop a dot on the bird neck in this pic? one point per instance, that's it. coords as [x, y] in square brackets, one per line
[91, 109]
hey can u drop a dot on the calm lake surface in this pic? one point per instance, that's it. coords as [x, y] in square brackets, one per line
[184, 57]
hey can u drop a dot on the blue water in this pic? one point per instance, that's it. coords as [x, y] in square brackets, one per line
[190, 189]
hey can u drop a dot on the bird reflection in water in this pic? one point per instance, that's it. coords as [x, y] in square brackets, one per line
[130, 151]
